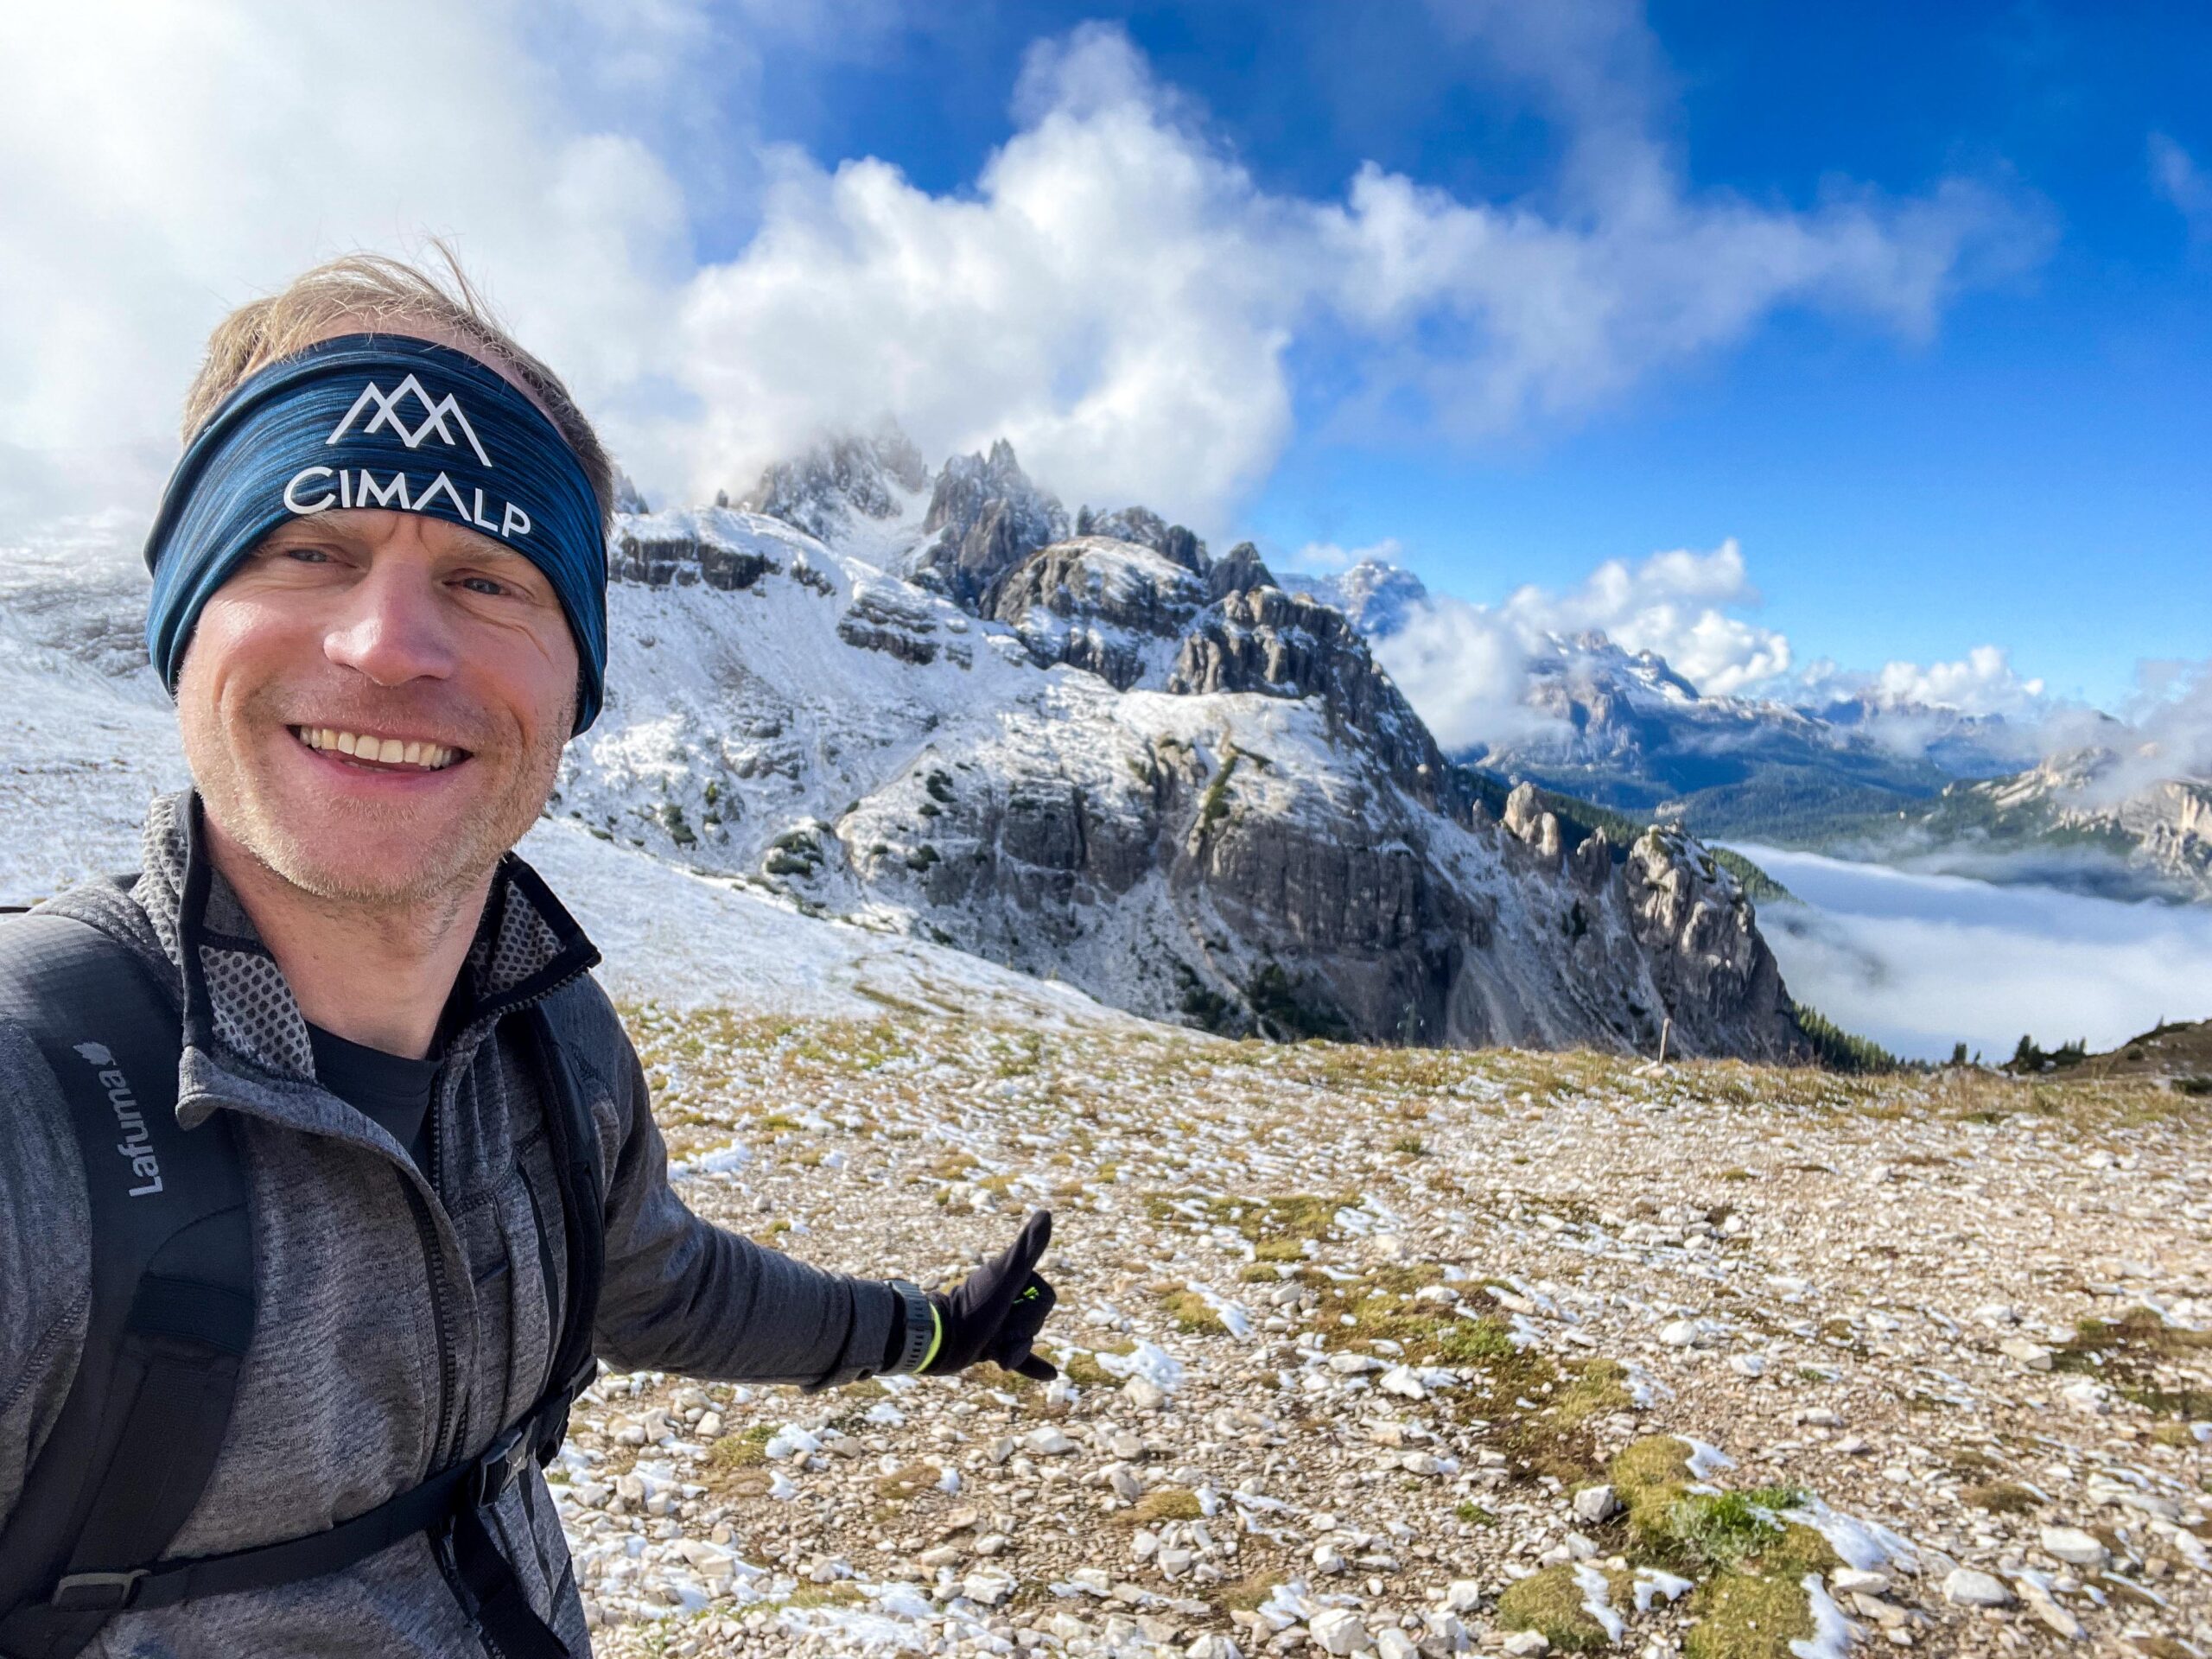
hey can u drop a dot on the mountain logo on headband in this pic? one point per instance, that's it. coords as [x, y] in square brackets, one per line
[387, 414]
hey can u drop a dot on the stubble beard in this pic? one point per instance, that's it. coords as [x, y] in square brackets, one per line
[447, 869]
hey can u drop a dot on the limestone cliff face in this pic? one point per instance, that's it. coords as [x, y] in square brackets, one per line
[1112, 758]
[1096, 604]
[985, 517]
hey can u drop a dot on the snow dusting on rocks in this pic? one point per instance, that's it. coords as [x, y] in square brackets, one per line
[1381, 1352]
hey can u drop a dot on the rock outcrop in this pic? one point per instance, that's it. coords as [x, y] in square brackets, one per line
[1113, 759]
[985, 517]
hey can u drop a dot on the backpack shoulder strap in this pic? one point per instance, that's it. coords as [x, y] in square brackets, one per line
[172, 1308]
[574, 1147]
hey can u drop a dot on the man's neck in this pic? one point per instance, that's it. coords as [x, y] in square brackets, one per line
[378, 975]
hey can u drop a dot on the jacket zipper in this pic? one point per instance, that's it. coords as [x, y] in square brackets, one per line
[426, 1231]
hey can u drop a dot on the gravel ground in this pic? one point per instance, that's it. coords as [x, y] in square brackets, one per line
[1391, 1351]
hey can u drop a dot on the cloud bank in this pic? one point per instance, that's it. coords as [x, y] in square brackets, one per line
[1921, 962]
[1464, 667]
[1114, 290]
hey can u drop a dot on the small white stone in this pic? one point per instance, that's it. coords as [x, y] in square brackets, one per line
[1462, 1595]
[1678, 1333]
[1048, 1442]
[2056, 1617]
[1353, 1365]
[2093, 1398]
[1853, 1581]
[2033, 1355]
[1144, 1394]
[1400, 1381]
[1596, 1504]
[1968, 1588]
[1339, 1631]
[1394, 1644]
[1523, 1644]
[2075, 1546]
[1327, 1558]
[1213, 1647]
[987, 1588]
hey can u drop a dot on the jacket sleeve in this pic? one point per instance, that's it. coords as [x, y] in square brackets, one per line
[681, 1294]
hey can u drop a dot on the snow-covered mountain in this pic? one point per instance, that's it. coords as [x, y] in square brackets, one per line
[2076, 819]
[1084, 746]
[1624, 729]
[937, 706]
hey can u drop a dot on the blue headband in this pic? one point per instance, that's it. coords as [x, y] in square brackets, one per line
[377, 421]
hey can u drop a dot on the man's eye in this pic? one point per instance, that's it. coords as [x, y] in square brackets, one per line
[483, 585]
[308, 555]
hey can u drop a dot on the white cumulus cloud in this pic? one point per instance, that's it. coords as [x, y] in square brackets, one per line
[1983, 682]
[1464, 667]
[1329, 558]
[1114, 290]
[159, 163]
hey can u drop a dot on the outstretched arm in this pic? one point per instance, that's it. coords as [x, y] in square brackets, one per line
[681, 1294]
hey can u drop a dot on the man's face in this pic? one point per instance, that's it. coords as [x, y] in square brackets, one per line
[438, 657]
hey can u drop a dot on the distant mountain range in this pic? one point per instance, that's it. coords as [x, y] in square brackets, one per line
[1860, 777]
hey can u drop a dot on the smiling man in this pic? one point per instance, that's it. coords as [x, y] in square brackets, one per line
[329, 1173]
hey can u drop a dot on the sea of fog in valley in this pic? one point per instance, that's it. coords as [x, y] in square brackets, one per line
[1920, 962]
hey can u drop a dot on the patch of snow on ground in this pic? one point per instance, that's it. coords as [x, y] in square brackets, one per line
[1831, 1636]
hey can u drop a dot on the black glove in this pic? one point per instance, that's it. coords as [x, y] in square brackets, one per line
[996, 1311]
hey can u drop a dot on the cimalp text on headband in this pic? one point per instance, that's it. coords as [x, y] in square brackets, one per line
[388, 422]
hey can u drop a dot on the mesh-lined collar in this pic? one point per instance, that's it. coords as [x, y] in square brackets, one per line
[527, 946]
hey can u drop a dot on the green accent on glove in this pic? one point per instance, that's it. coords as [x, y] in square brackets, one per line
[937, 1336]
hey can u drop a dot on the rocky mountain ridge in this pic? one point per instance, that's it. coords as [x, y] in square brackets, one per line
[1923, 786]
[1083, 746]
[2159, 833]
[1627, 731]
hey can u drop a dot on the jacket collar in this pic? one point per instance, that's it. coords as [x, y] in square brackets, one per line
[237, 1005]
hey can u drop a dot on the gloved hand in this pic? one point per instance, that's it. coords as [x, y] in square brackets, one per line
[996, 1311]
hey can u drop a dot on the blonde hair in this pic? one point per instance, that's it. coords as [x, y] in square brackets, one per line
[387, 296]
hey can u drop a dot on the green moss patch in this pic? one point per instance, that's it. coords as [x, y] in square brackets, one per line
[2142, 1357]
[1193, 1314]
[1165, 1503]
[1276, 1227]
[1727, 1529]
[1550, 1603]
[1746, 1616]
[2002, 1497]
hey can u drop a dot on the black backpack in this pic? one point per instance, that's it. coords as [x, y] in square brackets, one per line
[172, 1317]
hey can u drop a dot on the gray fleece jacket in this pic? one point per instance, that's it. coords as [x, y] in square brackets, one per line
[405, 1319]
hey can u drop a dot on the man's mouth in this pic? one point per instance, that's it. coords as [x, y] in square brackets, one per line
[416, 753]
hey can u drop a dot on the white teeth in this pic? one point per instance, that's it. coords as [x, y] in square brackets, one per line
[387, 750]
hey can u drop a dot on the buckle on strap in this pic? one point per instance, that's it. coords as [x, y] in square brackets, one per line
[496, 1469]
[97, 1592]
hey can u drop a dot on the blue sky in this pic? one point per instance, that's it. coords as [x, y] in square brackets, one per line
[1886, 325]
[2037, 473]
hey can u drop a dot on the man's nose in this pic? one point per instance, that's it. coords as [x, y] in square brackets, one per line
[393, 627]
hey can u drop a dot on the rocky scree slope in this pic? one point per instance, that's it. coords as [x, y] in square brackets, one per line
[1395, 1352]
[1086, 747]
